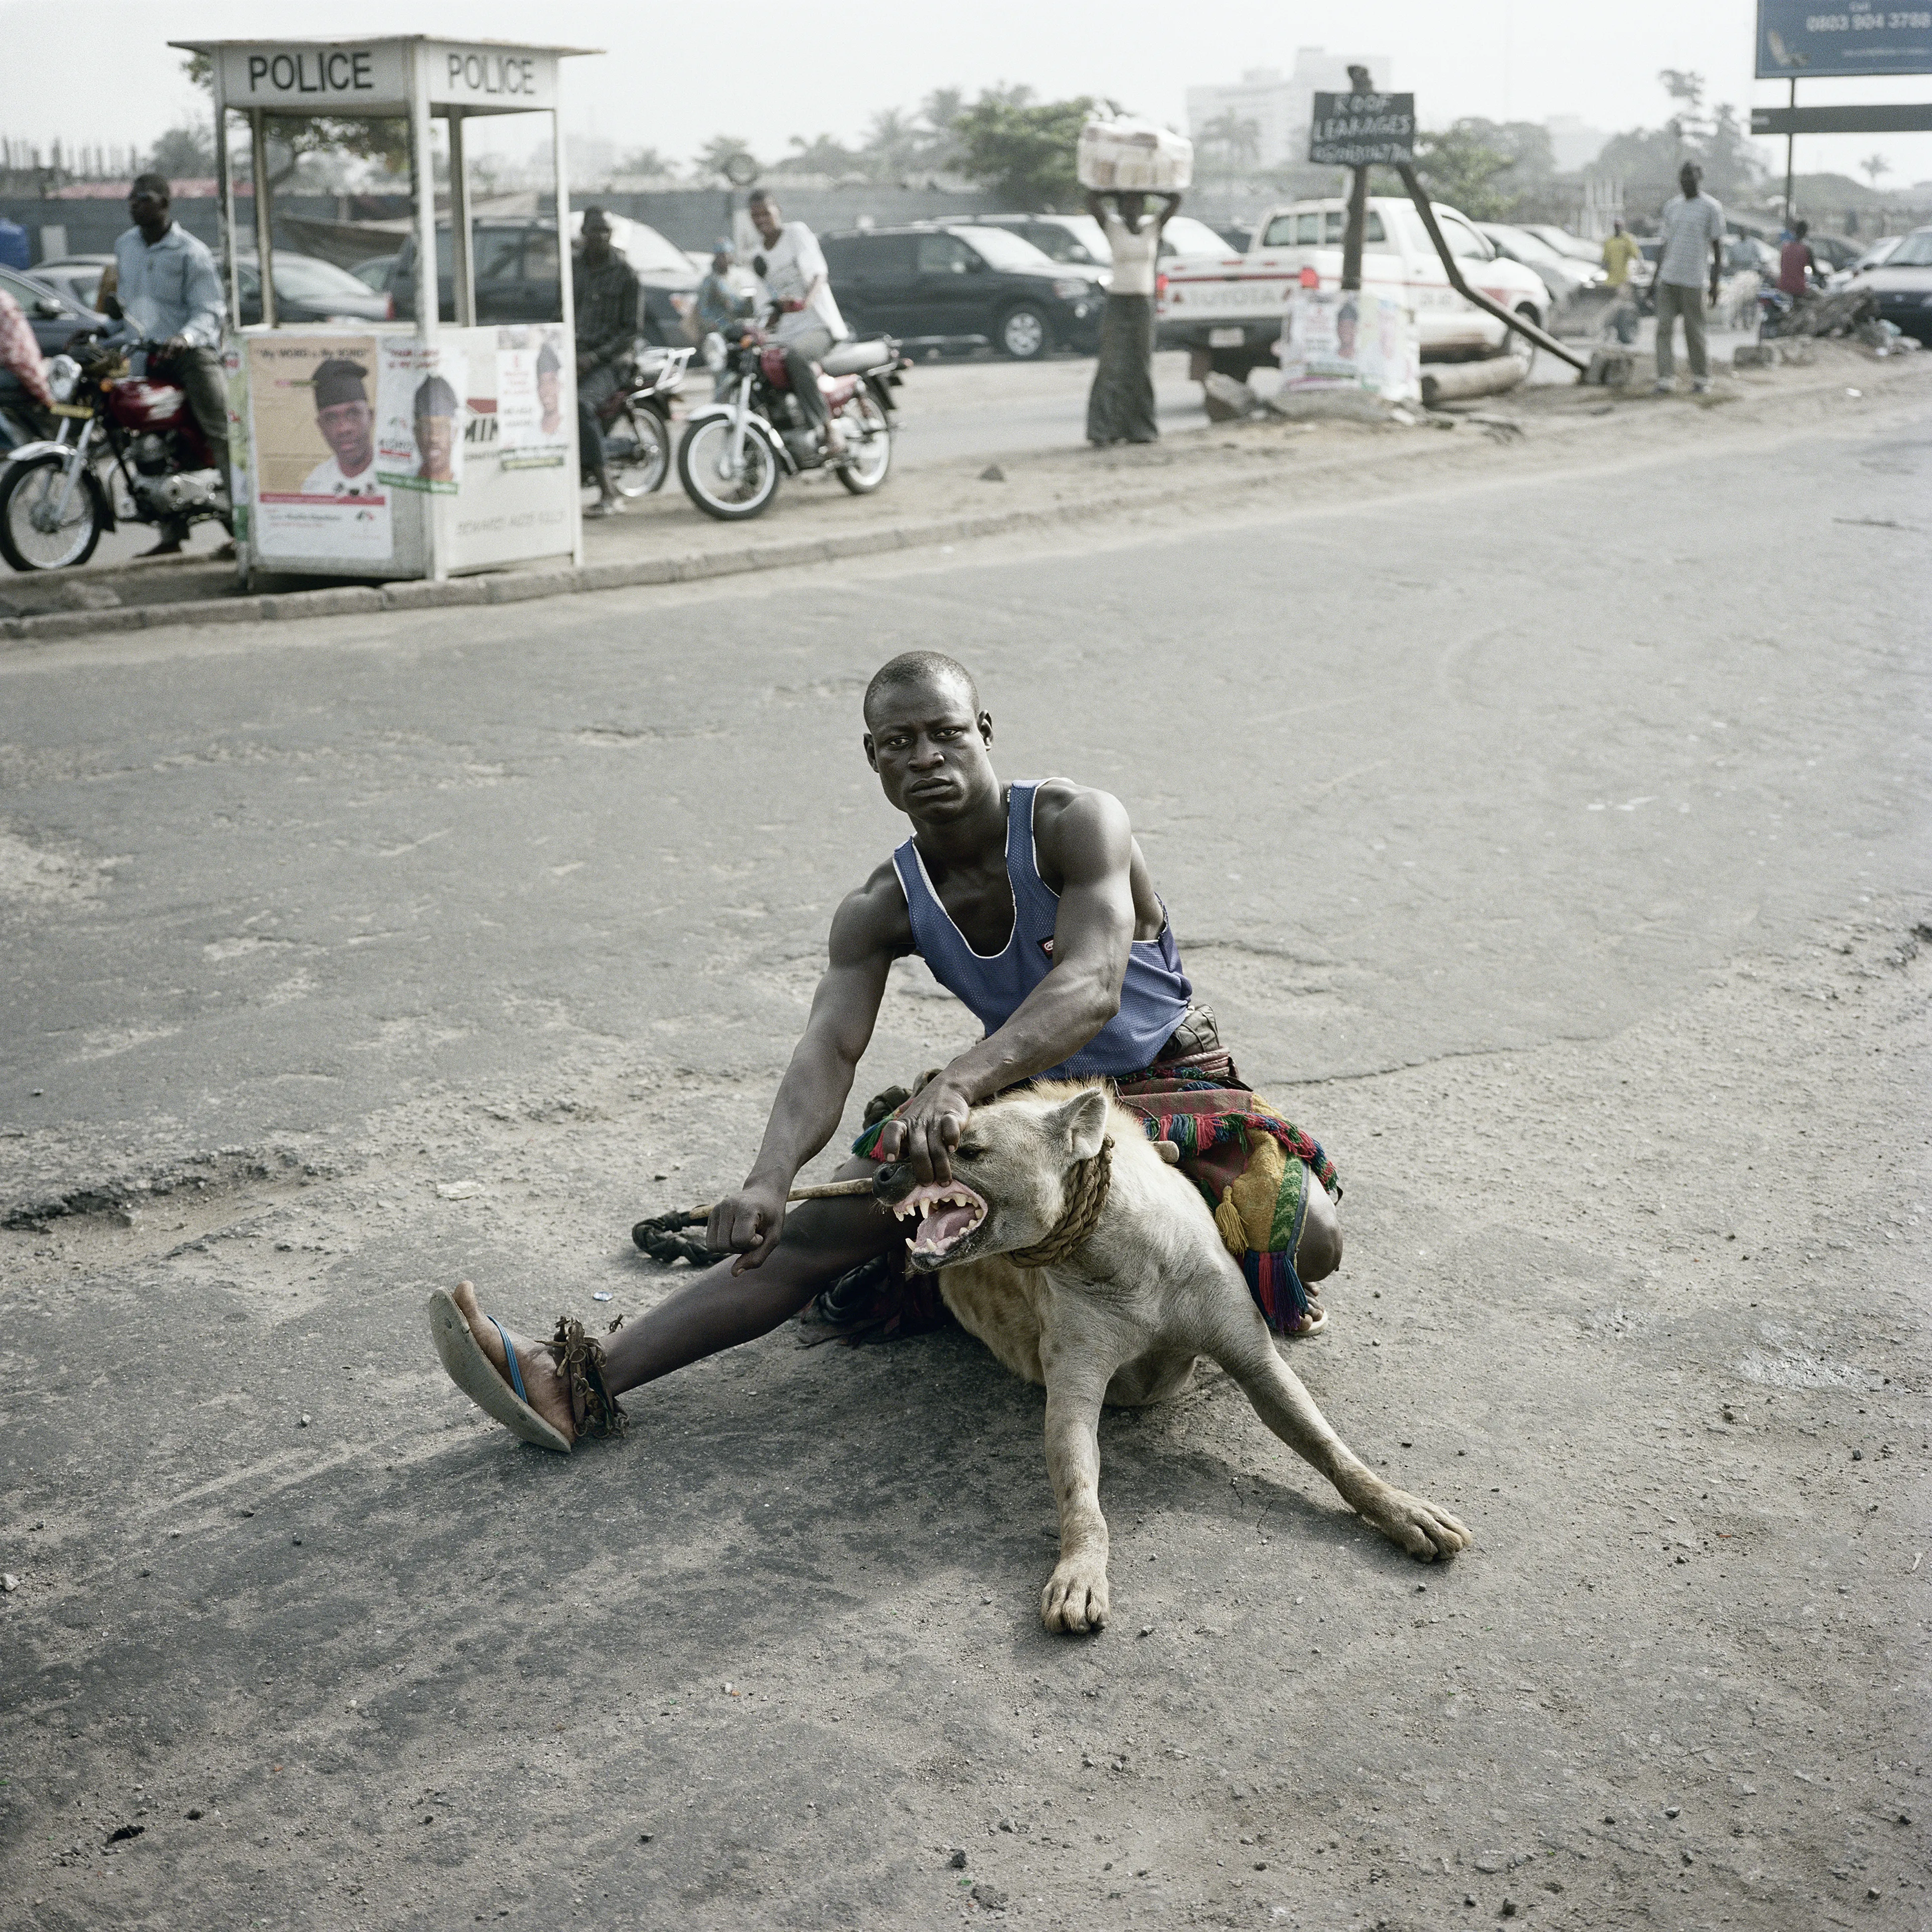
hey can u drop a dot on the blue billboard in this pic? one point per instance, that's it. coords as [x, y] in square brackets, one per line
[1800, 42]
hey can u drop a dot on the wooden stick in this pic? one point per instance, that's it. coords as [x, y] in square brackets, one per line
[830, 1190]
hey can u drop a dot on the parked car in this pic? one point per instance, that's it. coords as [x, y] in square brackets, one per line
[77, 276]
[1572, 247]
[516, 274]
[1747, 254]
[1562, 275]
[1880, 251]
[376, 272]
[307, 289]
[1230, 306]
[1079, 242]
[962, 286]
[55, 316]
[1834, 252]
[1903, 283]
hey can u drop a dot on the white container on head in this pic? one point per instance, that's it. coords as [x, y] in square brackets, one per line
[1119, 157]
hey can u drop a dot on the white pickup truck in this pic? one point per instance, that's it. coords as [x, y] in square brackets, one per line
[1229, 308]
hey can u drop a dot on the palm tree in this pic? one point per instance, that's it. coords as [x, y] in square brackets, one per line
[1873, 166]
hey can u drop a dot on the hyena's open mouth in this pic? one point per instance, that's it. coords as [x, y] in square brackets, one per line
[948, 1212]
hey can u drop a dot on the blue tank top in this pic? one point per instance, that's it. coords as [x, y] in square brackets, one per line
[1153, 997]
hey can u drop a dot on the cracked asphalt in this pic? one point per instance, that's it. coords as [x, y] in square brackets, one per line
[1550, 834]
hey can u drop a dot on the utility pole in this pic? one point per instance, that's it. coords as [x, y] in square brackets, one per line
[1790, 151]
[1358, 200]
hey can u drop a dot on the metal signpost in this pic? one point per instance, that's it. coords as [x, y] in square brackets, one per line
[411, 448]
[1797, 41]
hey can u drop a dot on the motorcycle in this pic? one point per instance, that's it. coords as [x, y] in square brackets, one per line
[634, 420]
[137, 428]
[736, 451]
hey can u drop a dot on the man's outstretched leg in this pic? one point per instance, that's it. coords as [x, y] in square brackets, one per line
[712, 1311]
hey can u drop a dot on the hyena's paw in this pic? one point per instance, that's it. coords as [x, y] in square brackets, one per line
[1075, 1596]
[1426, 1530]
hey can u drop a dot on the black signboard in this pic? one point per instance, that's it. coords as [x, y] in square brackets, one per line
[1362, 131]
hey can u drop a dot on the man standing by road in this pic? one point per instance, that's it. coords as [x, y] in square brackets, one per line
[167, 285]
[604, 294]
[1620, 250]
[793, 269]
[1692, 228]
[1033, 903]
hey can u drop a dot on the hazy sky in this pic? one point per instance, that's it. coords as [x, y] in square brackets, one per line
[673, 76]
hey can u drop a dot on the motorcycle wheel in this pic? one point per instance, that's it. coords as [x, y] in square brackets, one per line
[35, 487]
[872, 449]
[636, 451]
[701, 456]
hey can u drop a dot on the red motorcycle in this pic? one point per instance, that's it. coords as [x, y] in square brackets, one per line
[128, 450]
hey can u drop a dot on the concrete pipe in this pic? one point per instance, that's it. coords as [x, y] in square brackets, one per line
[1457, 382]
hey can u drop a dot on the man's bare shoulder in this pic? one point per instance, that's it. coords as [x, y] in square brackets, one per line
[1070, 819]
[872, 918]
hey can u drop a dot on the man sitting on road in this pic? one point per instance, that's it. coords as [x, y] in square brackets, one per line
[793, 267]
[1032, 903]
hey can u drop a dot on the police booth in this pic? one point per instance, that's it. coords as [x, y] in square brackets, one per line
[415, 447]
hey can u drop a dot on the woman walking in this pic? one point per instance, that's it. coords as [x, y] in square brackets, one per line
[1120, 409]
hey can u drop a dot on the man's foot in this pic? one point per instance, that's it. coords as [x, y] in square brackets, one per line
[169, 545]
[1661, 388]
[605, 506]
[543, 1388]
[1699, 384]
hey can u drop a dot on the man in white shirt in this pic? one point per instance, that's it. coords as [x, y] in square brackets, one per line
[1693, 227]
[793, 269]
[348, 426]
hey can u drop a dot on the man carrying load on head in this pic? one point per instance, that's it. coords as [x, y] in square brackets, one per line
[1032, 902]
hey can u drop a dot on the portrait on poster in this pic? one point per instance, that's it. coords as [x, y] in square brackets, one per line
[532, 398]
[316, 488]
[419, 412]
[1334, 338]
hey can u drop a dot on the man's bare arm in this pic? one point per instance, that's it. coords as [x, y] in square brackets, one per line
[870, 929]
[1089, 845]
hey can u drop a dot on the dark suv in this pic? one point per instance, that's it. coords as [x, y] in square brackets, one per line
[516, 277]
[960, 288]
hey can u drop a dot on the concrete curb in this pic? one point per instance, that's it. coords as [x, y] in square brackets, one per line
[518, 587]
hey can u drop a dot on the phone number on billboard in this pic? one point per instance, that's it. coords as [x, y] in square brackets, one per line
[1863, 23]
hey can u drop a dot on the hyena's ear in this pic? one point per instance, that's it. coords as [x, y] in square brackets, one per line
[1080, 1125]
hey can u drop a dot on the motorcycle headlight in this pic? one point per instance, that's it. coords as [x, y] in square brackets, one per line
[63, 372]
[1069, 291]
[713, 352]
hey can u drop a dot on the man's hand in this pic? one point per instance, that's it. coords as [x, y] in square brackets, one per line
[927, 1129]
[748, 1223]
[174, 344]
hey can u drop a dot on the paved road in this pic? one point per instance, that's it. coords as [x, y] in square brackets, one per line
[1567, 879]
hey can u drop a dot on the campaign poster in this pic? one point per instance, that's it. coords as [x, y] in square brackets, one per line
[315, 485]
[532, 394]
[419, 413]
[1347, 338]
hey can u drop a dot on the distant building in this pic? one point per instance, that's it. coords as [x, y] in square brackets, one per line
[1270, 113]
[1574, 144]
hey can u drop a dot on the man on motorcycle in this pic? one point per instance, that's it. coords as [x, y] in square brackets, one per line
[166, 286]
[793, 268]
[605, 298]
